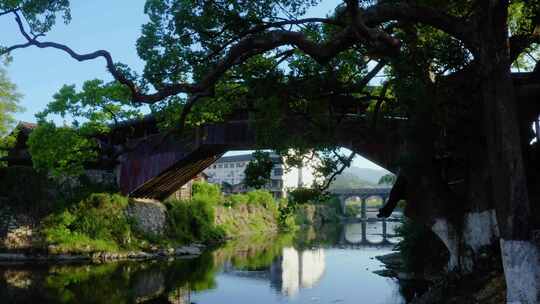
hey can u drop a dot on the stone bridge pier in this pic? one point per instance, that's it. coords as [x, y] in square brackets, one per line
[358, 233]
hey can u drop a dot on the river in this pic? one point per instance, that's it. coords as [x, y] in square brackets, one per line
[333, 264]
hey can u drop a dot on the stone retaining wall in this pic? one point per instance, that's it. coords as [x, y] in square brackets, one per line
[150, 216]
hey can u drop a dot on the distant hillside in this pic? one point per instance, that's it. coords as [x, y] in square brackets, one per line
[369, 175]
[349, 181]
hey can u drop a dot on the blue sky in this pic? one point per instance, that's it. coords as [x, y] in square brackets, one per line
[97, 24]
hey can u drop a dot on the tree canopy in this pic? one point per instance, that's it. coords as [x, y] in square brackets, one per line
[448, 111]
[446, 89]
[258, 170]
[9, 105]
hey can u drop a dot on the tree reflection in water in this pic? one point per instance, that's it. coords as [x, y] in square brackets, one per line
[288, 263]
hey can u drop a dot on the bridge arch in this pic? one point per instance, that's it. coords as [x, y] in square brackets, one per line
[363, 193]
[367, 233]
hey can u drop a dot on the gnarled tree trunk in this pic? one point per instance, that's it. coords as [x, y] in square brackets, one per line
[509, 187]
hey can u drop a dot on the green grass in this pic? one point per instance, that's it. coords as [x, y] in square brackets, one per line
[193, 220]
[97, 223]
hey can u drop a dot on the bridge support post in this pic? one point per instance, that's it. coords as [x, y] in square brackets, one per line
[384, 233]
[364, 233]
[342, 200]
[364, 212]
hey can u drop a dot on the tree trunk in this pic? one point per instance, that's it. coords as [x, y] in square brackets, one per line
[509, 187]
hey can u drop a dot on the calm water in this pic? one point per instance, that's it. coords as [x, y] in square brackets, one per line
[332, 265]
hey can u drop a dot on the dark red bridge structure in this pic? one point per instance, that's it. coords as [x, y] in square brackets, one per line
[161, 163]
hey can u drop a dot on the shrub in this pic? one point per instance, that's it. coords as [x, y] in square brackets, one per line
[236, 199]
[287, 216]
[313, 196]
[203, 188]
[101, 216]
[97, 223]
[304, 195]
[189, 221]
[352, 210]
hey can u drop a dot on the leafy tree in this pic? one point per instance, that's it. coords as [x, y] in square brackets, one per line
[387, 179]
[62, 151]
[258, 170]
[9, 103]
[447, 65]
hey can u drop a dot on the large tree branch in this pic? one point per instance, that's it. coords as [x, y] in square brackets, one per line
[13, 10]
[405, 12]
[263, 27]
[261, 42]
[345, 163]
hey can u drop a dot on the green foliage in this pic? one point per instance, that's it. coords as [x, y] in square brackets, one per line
[40, 14]
[95, 108]
[304, 195]
[193, 220]
[235, 200]
[420, 248]
[96, 223]
[287, 218]
[61, 151]
[205, 24]
[314, 197]
[9, 103]
[259, 170]
[352, 209]
[202, 188]
[387, 179]
[256, 212]
[15, 185]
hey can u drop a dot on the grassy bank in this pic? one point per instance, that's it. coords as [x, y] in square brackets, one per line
[99, 222]
[88, 218]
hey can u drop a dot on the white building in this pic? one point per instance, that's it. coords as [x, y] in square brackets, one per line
[229, 170]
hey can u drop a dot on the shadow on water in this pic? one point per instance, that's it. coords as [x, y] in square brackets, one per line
[312, 265]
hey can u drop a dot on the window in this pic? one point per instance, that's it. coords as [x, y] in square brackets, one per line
[239, 165]
[220, 166]
[275, 183]
[278, 172]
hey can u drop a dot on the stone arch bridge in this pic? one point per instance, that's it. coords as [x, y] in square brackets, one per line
[363, 194]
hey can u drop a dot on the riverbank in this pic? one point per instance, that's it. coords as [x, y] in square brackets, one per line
[106, 226]
[480, 287]
[306, 266]
[190, 251]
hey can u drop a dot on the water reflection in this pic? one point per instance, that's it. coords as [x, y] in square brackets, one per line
[297, 269]
[312, 266]
[370, 233]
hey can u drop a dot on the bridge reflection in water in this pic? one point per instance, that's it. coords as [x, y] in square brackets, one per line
[296, 269]
[372, 232]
